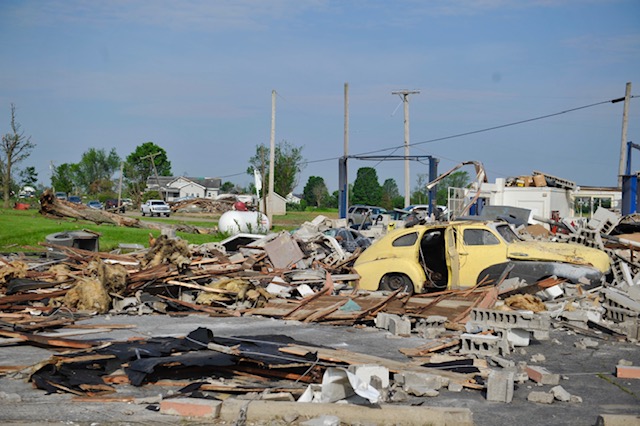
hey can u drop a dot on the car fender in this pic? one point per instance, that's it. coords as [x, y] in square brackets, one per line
[372, 272]
[534, 271]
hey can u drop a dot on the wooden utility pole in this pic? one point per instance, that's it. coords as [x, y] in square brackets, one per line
[346, 146]
[623, 142]
[404, 94]
[120, 185]
[272, 157]
[155, 171]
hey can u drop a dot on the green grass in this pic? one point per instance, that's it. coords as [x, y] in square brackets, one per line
[25, 230]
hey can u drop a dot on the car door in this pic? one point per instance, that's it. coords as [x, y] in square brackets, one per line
[478, 248]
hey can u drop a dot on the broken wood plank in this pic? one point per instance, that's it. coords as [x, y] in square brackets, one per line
[48, 341]
[346, 357]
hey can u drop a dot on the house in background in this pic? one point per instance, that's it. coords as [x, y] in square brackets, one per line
[175, 188]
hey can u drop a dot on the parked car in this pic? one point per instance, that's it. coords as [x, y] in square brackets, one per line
[112, 205]
[362, 217]
[95, 204]
[127, 202]
[463, 253]
[74, 199]
[155, 207]
[61, 195]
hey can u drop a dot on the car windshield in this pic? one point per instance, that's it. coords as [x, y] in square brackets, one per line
[507, 233]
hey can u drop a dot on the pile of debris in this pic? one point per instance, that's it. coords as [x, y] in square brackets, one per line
[540, 179]
[203, 205]
[307, 276]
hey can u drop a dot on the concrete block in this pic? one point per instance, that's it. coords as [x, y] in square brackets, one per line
[619, 307]
[400, 326]
[366, 372]
[518, 337]
[500, 386]
[191, 407]
[505, 320]
[618, 420]
[431, 327]
[540, 397]
[542, 375]
[631, 329]
[483, 344]
[430, 381]
[627, 372]
[560, 393]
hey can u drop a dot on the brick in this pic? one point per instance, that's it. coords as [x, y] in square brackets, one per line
[627, 372]
[500, 386]
[191, 407]
[542, 375]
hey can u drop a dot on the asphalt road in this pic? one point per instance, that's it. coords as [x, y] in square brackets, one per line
[587, 373]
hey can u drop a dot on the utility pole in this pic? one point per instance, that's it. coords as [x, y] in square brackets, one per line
[272, 157]
[404, 94]
[120, 185]
[345, 189]
[623, 142]
[155, 171]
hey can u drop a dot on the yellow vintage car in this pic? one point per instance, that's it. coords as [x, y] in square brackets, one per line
[463, 253]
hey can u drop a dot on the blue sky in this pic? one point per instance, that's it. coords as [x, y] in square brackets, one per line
[195, 77]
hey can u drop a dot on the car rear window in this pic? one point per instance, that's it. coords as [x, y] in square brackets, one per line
[406, 240]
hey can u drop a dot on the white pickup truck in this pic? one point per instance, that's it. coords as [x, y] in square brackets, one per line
[155, 207]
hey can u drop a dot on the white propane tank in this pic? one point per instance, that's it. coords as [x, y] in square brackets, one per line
[234, 222]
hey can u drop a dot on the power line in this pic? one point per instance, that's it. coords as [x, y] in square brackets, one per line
[458, 135]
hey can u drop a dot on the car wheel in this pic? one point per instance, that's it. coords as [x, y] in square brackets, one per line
[393, 282]
[167, 215]
[143, 213]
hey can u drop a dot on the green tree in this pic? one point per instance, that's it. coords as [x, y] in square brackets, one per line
[389, 193]
[315, 192]
[227, 187]
[366, 189]
[15, 148]
[459, 179]
[139, 166]
[96, 169]
[28, 176]
[288, 163]
[64, 177]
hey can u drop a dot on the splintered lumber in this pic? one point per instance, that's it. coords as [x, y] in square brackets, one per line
[7, 301]
[428, 348]
[48, 341]
[353, 358]
[202, 308]
[326, 308]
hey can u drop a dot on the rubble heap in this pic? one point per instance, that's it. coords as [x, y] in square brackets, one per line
[307, 276]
